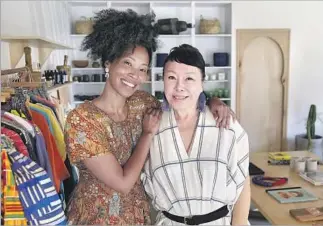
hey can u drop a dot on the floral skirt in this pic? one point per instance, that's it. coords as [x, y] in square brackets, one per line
[91, 207]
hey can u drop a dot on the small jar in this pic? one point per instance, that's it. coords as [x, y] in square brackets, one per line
[213, 77]
[221, 76]
[226, 93]
[206, 78]
[215, 93]
[95, 64]
[220, 93]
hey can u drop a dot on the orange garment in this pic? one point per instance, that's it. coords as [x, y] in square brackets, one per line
[59, 170]
[91, 133]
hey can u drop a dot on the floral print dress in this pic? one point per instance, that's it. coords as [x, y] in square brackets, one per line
[89, 132]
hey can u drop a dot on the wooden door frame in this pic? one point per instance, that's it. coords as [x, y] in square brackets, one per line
[270, 33]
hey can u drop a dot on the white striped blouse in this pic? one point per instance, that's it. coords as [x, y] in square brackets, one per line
[210, 176]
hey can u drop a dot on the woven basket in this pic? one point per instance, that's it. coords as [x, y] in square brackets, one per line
[84, 26]
[209, 26]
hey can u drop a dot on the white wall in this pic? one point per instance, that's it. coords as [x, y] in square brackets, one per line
[48, 19]
[305, 19]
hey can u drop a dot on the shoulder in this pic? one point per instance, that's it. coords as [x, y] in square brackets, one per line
[235, 129]
[143, 99]
[84, 115]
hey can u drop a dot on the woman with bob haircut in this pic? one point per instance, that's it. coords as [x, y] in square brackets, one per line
[197, 173]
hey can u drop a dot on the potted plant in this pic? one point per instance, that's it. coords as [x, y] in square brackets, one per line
[310, 141]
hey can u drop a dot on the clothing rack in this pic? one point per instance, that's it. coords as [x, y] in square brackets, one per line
[30, 121]
[17, 78]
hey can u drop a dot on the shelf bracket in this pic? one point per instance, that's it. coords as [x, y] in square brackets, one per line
[18, 43]
[16, 50]
[44, 53]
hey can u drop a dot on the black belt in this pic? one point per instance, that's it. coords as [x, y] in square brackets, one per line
[199, 219]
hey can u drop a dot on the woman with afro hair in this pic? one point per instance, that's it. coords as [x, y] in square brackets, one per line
[108, 139]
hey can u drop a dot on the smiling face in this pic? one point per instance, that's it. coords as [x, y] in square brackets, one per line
[182, 84]
[129, 71]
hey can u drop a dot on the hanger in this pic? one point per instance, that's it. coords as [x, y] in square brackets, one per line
[26, 84]
[24, 78]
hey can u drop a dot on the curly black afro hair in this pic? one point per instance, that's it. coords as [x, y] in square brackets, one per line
[115, 32]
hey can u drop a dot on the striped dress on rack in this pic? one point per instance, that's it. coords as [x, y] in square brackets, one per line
[41, 203]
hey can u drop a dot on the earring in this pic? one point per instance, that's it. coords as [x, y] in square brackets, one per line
[107, 72]
[165, 104]
[201, 101]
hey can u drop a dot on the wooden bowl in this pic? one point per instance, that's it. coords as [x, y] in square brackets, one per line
[80, 63]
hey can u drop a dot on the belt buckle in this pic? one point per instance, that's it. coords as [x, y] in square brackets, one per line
[189, 221]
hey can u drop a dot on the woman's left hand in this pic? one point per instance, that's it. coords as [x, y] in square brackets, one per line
[221, 113]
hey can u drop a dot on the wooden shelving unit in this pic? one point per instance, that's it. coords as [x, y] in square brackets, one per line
[189, 11]
[17, 43]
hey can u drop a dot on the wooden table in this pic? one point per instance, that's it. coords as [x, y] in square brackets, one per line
[275, 212]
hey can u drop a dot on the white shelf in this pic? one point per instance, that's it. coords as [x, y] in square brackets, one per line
[88, 69]
[90, 3]
[188, 11]
[89, 83]
[45, 47]
[130, 3]
[171, 3]
[213, 35]
[175, 36]
[77, 36]
[212, 3]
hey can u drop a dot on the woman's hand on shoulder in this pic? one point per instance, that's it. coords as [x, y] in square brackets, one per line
[151, 121]
[221, 112]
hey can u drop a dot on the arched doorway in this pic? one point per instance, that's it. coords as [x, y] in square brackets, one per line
[262, 73]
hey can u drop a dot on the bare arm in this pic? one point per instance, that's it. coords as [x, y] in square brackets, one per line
[242, 206]
[108, 169]
[221, 112]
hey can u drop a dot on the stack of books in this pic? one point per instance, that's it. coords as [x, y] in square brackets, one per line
[279, 158]
[291, 195]
[308, 214]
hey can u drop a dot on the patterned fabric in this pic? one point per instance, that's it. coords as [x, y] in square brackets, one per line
[12, 211]
[90, 132]
[19, 144]
[22, 122]
[210, 176]
[23, 133]
[40, 201]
